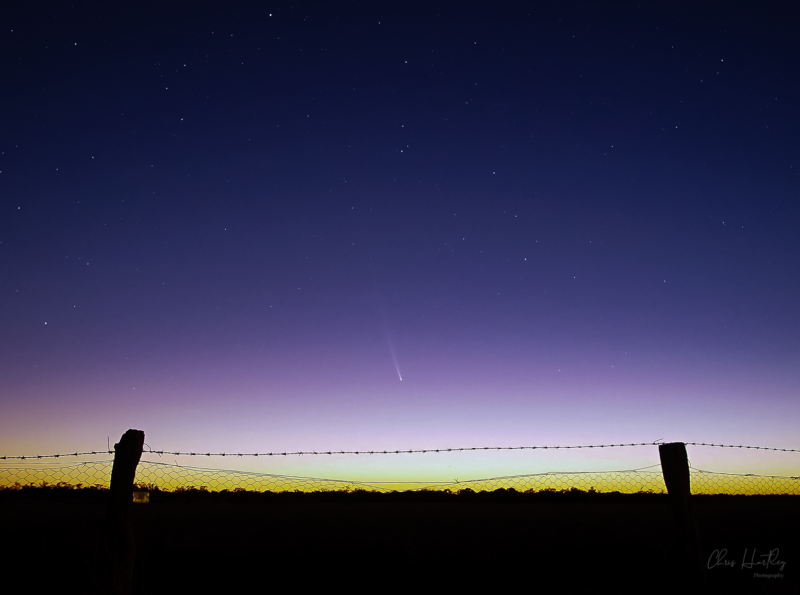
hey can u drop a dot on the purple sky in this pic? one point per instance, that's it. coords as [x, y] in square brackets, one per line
[237, 231]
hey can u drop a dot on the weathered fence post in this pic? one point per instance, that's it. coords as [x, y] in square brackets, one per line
[675, 466]
[127, 453]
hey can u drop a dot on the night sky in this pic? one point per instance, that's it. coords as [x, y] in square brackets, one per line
[368, 226]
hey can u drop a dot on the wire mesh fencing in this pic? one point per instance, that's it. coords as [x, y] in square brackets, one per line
[85, 474]
[648, 480]
[172, 477]
[710, 483]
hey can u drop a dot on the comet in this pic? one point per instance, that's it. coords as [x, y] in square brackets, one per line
[396, 367]
[391, 348]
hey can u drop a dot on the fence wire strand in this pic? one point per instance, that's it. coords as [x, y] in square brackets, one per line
[387, 452]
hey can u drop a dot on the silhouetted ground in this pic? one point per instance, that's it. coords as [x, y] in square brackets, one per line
[572, 543]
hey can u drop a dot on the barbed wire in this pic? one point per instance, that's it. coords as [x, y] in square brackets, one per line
[742, 446]
[69, 454]
[381, 452]
[387, 452]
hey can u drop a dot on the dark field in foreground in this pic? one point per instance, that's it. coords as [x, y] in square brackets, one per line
[572, 543]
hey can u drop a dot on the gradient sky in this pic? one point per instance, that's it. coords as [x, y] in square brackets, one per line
[238, 229]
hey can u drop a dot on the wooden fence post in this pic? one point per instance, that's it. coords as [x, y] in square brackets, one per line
[127, 453]
[675, 466]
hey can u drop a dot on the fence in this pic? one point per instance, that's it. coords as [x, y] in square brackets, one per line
[127, 472]
[37, 471]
